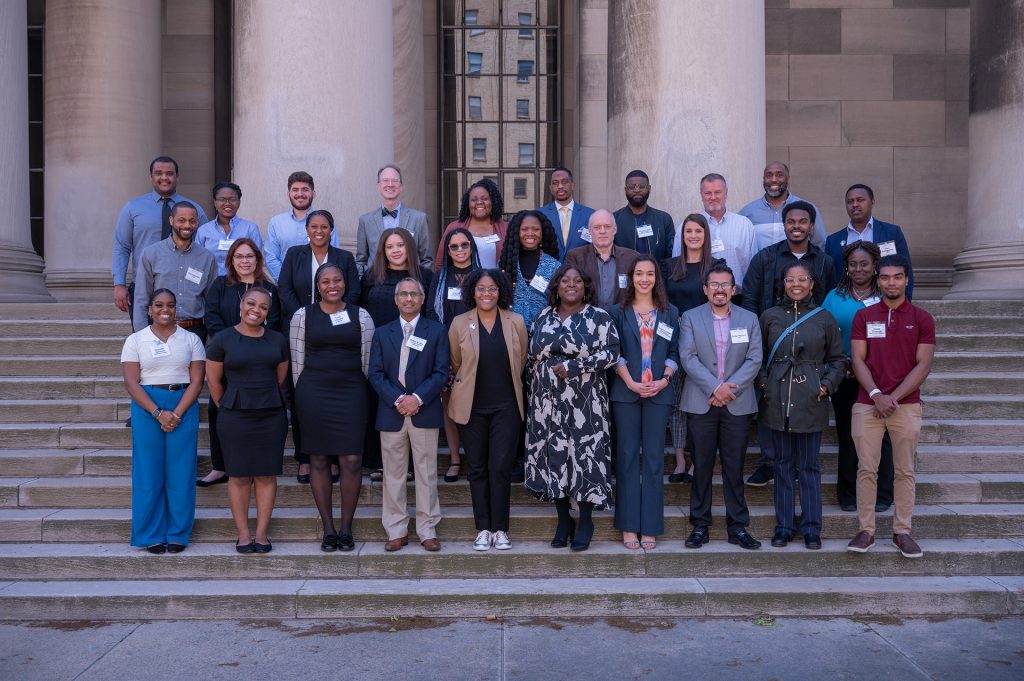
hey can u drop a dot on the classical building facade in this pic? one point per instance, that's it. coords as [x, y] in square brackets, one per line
[921, 99]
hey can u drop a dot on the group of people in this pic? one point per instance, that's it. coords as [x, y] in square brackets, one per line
[569, 339]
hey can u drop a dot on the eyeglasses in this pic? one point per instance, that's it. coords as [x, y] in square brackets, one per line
[226, 199]
[796, 280]
[459, 247]
[409, 294]
[486, 289]
[240, 256]
[637, 187]
[719, 285]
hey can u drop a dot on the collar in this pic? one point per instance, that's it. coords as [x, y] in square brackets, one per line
[152, 336]
[904, 307]
[155, 197]
[870, 225]
[711, 218]
[767, 204]
[291, 214]
[414, 321]
[174, 246]
[571, 205]
[720, 317]
[597, 253]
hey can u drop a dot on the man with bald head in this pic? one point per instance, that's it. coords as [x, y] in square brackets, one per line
[765, 212]
[602, 260]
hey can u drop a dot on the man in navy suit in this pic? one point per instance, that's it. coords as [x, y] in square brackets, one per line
[568, 217]
[860, 202]
[408, 367]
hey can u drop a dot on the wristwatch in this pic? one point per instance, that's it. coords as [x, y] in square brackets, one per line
[157, 412]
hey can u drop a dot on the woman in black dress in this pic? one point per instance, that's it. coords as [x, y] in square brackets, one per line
[330, 346]
[246, 366]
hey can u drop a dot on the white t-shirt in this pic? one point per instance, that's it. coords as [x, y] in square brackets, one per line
[163, 362]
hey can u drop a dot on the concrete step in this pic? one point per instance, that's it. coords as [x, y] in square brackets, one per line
[68, 328]
[971, 383]
[974, 406]
[511, 597]
[973, 308]
[987, 342]
[66, 311]
[30, 346]
[61, 365]
[965, 325]
[978, 361]
[298, 560]
[528, 523]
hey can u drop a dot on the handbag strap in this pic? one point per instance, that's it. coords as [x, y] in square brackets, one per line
[790, 330]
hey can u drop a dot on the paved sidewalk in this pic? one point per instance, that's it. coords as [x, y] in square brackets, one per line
[613, 648]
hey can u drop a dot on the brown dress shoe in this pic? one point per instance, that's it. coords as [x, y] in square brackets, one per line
[396, 544]
[907, 546]
[863, 541]
[431, 544]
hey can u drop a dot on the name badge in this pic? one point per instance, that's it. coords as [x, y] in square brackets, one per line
[454, 293]
[415, 343]
[224, 244]
[887, 248]
[644, 230]
[539, 283]
[665, 331]
[194, 275]
[160, 349]
[339, 318]
[492, 239]
[717, 246]
[623, 281]
[739, 335]
[876, 329]
[871, 301]
[585, 235]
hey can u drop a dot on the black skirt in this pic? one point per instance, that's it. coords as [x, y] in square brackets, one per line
[252, 440]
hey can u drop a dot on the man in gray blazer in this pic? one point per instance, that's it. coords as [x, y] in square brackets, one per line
[720, 350]
[391, 214]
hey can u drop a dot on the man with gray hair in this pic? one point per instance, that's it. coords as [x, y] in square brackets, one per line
[391, 214]
[605, 262]
[732, 235]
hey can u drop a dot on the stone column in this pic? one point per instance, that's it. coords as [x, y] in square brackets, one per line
[686, 96]
[410, 126]
[103, 127]
[992, 262]
[21, 270]
[313, 91]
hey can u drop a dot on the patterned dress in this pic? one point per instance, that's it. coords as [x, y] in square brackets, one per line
[568, 448]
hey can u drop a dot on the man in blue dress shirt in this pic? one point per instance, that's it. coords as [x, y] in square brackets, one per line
[289, 229]
[765, 212]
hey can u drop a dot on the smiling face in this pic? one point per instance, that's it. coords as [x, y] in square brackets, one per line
[254, 308]
[244, 261]
[479, 204]
[713, 194]
[799, 283]
[184, 222]
[570, 287]
[645, 276]
[164, 178]
[408, 298]
[719, 289]
[162, 310]
[693, 236]
[529, 233]
[798, 226]
[485, 295]
[389, 185]
[775, 180]
[394, 251]
[331, 285]
[301, 195]
[226, 202]
[861, 267]
[318, 229]
[460, 250]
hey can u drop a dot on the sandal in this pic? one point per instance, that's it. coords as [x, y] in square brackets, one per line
[448, 477]
[377, 475]
[649, 544]
[631, 544]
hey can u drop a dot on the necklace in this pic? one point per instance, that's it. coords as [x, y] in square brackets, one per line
[860, 294]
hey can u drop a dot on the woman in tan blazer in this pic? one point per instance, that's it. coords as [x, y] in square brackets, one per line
[488, 346]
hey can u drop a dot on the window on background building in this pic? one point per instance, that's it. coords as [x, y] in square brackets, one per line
[525, 19]
[474, 63]
[475, 108]
[526, 153]
[519, 188]
[480, 149]
[524, 69]
[522, 108]
[472, 18]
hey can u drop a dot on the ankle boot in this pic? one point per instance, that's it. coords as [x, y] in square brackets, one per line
[585, 531]
[566, 527]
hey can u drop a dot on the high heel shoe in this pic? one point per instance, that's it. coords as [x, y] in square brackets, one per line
[564, 535]
[458, 470]
[584, 533]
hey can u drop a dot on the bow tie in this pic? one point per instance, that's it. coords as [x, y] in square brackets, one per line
[384, 212]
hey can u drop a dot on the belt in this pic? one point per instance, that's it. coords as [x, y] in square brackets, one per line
[189, 323]
[173, 387]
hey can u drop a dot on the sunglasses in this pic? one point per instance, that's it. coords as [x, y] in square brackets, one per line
[459, 247]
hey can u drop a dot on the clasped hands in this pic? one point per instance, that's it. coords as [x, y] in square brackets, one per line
[648, 388]
[885, 405]
[408, 405]
[723, 395]
[168, 420]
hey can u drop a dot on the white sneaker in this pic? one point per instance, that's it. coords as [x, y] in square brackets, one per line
[483, 541]
[501, 541]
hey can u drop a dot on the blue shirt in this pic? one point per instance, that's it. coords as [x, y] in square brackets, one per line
[388, 221]
[844, 308]
[283, 232]
[768, 225]
[211, 237]
[138, 226]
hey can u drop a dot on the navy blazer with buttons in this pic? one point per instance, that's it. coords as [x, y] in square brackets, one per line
[632, 353]
[578, 222]
[880, 232]
[296, 281]
[426, 373]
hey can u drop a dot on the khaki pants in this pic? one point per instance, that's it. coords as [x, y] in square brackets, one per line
[395, 455]
[904, 427]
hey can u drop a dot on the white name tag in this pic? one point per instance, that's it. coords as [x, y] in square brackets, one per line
[717, 246]
[415, 343]
[585, 235]
[871, 301]
[887, 248]
[454, 293]
[224, 244]
[492, 239]
[539, 283]
[665, 331]
[160, 349]
[876, 329]
[623, 281]
[194, 275]
[339, 318]
[644, 230]
[739, 335]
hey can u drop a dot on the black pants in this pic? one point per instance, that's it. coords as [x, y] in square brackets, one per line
[491, 441]
[846, 482]
[726, 434]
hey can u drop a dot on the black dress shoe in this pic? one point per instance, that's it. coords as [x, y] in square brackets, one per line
[246, 548]
[346, 542]
[849, 508]
[175, 547]
[304, 478]
[744, 540]
[881, 507]
[812, 541]
[781, 538]
[697, 538]
[157, 549]
[563, 537]
[330, 543]
[207, 483]
[680, 477]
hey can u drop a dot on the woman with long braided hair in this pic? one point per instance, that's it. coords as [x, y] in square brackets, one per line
[529, 257]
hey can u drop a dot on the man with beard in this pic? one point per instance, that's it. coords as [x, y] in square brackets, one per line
[765, 213]
[732, 235]
[568, 217]
[289, 229]
[642, 228]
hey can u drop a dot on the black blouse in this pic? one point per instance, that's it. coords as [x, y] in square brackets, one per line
[451, 308]
[379, 299]
[494, 385]
[687, 293]
[250, 368]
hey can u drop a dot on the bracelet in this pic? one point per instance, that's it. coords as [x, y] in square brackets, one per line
[874, 392]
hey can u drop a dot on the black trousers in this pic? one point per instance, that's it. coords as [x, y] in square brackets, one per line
[725, 434]
[846, 482]
[491, 441]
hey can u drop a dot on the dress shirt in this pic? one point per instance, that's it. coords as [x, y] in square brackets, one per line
[391, 222]
[402, 324]
[738, 242]
[565, 210]
[768, 225]
[868, 234]
[163, 265]
[608, 283]
[283, 232]
[211, 236]
[312, 277]
[139, 225]
[722, 340]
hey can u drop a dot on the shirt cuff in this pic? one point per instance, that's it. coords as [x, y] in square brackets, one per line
[671, 363]
[418, 399]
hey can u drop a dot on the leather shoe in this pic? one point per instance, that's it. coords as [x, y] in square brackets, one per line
[346, 542]
[392, 545]
[848, 508]
[881, 507]
[697, 538]
[302, 478]
[812, 541]
[680, 477]
[208, 483]
[432, 544]
[157, 549]
[263, 548]
[175, 547]
[246, 548]
[782, 538]
[744, 540]
[330, 543]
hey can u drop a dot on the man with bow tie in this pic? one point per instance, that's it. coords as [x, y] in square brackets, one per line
[391, 214]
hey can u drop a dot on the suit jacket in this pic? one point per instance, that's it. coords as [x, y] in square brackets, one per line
[584, 258]
[631, 353]
[881, 232]
[700, 361]
[577, 225]
[296, 282]
[426, 373]
[464, 341]
[372, 224]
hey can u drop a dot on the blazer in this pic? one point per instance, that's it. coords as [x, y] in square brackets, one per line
[578, 222]
[426, 373]
[464, 341]
[700, 361]
[371, 225]
[631, 354]
[500, 228]
[295, 284]
[880, 233]
[584, 259]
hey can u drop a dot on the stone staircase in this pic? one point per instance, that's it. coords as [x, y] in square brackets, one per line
[65, 514]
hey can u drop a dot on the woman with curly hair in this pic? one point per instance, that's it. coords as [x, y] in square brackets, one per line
[481, 213]
[529, 257]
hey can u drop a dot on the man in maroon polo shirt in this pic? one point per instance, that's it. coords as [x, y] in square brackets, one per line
[893, 344]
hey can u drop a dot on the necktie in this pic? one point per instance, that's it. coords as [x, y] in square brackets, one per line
[384, 212]
[165, 218]
[403, 358]
[564, 210]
